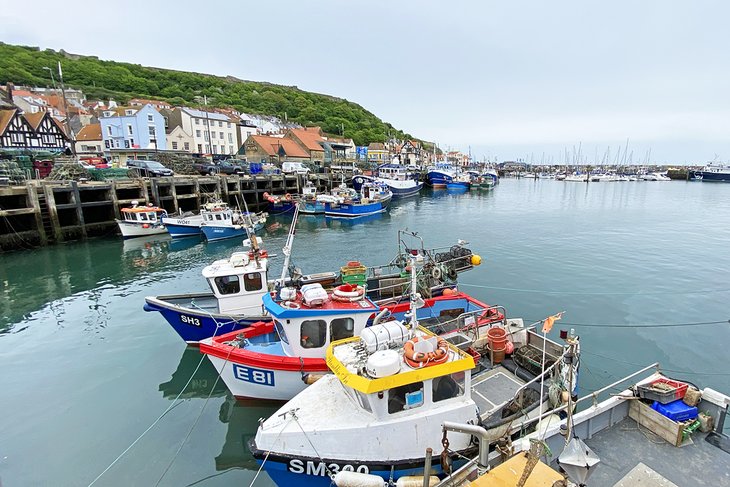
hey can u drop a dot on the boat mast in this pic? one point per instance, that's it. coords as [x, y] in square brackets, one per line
[288, 246]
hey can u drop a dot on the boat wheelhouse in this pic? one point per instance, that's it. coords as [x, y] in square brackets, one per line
[373, 198]
[141, 221]
[308, 204]
[440, 175]
[188, 224]
[712, 172]
[401, 181]
[223, 222]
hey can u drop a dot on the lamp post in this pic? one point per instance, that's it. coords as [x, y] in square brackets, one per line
[53, 81]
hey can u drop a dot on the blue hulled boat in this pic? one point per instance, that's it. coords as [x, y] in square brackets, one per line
[440, 175]
[373, 198]
[401, 182]
[223, 223]
[712, 172]
[188, 224]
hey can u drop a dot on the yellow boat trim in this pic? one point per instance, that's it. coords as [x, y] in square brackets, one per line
[369, 386]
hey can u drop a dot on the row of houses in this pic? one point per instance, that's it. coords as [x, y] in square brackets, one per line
[37, 118]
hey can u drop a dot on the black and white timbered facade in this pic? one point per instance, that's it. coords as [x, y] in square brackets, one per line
[30, 131]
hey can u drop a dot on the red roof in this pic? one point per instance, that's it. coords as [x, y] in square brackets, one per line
[271, 145]
[309, 137]
[5, 117]
[89, 132]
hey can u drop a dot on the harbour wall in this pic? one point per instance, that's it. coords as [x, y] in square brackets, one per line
[50, 212]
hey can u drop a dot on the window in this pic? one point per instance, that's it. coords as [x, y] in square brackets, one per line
[152, 130]
[280, 331]
[153, 217]
[230, 149]
[174, 145]
[150, 118]
[222, 135]
[167, 122]
[109, 130]
[143, 216]
[129, 112]
[313, 333]
[218, 217]
[131, 143]
[215, 149]
[186, 146]
[197, 121]
[228, 124]
[405, 397]
[228, 284]
[252, 281]
[116, 143]
[207, 148]
[448, 386]
[200, 148]
[342, 328]
[230, 137]
[205, 136]
[197, 133]
[129, 130]
[212, 135]
[220, 124]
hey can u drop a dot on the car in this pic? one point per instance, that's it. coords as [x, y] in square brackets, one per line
[294, 168]
[149, 168]
[222, 167]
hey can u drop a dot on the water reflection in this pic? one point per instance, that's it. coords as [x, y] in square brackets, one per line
[200, 385]
[243, 421]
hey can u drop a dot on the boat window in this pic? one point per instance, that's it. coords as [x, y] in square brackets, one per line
[218, 217]
[153, 217]
[342, 328]
[142, 216]
[405, 397]
[252, 281]
[228, 284]
[280, 331]
[313, 333]
[448, 386]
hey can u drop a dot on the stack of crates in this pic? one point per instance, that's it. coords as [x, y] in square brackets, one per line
[354, 273]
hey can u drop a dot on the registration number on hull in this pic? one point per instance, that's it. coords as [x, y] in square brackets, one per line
[255, 376]
[190, 320]
[323, 469]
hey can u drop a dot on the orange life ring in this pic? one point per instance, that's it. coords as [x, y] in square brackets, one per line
[417, 360]
[348, 292]
[287, 197]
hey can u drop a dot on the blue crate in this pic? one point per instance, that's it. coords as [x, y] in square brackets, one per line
[675, 410]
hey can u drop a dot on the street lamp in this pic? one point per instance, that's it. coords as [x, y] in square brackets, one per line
[53, 81]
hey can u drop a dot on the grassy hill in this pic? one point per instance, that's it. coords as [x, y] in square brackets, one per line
[122, 81]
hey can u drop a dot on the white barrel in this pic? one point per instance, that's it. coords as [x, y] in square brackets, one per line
[415, 481]
[383, 363]
[383, 336]
[357, 479]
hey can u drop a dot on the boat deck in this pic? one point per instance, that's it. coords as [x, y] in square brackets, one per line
[493, 388]
[622, 448]
[207, 303]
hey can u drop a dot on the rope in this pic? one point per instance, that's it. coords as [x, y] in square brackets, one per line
[312, 445]
[268, 452]
[673, 371]
[584, 293]
[645, 325]
[154, 423]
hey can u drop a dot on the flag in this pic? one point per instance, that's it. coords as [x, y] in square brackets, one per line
[547, 324]
[60, 74]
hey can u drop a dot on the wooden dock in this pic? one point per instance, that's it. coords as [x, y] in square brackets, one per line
[47, 212]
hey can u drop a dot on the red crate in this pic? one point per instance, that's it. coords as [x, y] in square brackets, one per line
[662, 395]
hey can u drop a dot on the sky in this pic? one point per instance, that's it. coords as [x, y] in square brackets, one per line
[507, 80]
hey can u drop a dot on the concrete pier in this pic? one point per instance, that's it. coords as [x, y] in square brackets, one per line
[46, 212]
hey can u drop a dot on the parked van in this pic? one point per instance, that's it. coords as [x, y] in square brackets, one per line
[294, 168]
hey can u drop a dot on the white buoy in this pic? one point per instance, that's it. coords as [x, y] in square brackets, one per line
[357, 479]
[415, 481]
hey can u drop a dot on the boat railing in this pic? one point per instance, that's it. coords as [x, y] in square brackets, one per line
[470, 320]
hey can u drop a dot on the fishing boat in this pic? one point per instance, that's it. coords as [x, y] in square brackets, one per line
[492, 173]
[401, 181]
[401, 381]
[221, 223]
[645, 434]
[308, 204]
[373, 198]
[460, 182]
[712, 172]
[141, 221]
[280, 204]
[289, 353]
[218, 310]
[188, 223]
[440, 175]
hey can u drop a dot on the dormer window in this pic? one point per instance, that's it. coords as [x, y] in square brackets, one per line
[129, 112]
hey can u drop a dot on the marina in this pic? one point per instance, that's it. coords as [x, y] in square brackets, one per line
[78, 312]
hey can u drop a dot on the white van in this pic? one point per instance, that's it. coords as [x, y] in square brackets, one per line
[294, 168]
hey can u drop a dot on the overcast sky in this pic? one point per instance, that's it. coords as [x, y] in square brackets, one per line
[508, 79]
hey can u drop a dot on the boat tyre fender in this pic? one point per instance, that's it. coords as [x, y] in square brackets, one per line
[417, 360]
[436, 273]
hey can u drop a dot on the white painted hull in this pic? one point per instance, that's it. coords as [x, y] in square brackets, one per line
[133, 230]
[246, 382]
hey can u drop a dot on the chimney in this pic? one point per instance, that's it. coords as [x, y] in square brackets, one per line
[9, 92]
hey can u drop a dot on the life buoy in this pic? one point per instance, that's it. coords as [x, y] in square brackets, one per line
[287, 197]
[347, 292]
[417, 360]
[436, 273]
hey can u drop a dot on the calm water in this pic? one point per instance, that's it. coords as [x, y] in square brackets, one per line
[85, 370]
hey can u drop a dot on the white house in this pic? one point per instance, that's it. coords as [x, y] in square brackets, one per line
[178, 139]
[211, 132]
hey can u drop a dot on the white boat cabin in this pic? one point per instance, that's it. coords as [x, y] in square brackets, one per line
[394, 172]
[311, 320]
[221, 217]
[239, 282]
[151, 215]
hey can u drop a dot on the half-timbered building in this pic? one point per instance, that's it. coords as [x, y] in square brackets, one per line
[30, 131]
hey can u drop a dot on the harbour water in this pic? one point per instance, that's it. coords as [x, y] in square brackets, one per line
[85, 371]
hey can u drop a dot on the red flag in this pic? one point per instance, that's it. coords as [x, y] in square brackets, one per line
[547, 324]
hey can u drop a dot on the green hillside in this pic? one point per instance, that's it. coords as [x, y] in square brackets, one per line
[122, 81]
